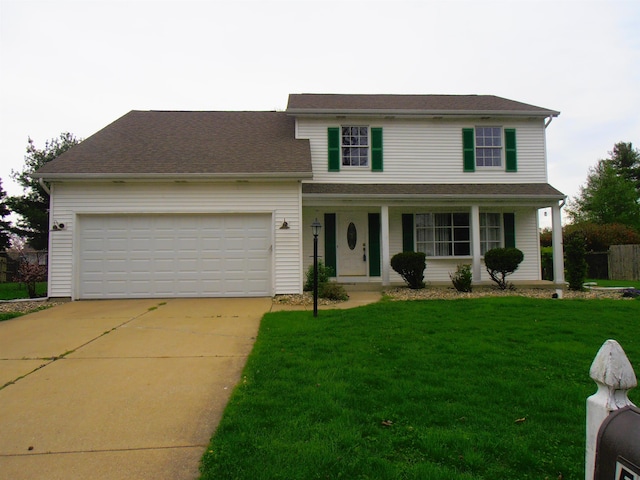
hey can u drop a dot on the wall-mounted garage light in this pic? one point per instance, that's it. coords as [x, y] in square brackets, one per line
[58, 226]
[285, 225]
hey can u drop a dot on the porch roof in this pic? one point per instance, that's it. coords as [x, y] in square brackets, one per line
[490, 191]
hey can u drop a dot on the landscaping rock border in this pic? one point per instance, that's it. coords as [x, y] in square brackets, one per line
[442, 293]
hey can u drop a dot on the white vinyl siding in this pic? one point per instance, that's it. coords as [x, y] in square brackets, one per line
[428, 151]
[279, 200]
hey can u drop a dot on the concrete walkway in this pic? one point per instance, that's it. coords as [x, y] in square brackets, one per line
[123, 389]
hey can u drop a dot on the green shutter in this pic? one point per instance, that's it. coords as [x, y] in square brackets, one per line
[509, 230]
[376, 149]
[330, 242]
[468, 150]
[407, 232]
[510, 149]
[374, 244]
[333, 138]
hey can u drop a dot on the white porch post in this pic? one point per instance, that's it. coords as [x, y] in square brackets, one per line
[556, 242]
[475, 243]
[386, 258]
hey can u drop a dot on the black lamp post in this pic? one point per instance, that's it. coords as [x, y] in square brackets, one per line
[315, 228]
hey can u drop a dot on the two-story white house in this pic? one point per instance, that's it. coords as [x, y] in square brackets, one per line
[163, 204]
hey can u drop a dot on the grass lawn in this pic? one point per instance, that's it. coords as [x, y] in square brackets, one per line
[13, 291]
[462, 389]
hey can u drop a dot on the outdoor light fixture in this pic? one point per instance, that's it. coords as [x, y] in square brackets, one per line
[315, 228]
[285, 225]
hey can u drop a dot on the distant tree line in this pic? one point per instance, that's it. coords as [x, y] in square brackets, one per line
[606, 210]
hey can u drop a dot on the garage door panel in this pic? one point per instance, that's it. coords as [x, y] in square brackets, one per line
[175, 255]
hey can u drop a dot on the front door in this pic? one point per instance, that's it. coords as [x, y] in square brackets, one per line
[352, 244]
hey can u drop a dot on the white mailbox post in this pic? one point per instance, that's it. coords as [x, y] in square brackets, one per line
[614, 375]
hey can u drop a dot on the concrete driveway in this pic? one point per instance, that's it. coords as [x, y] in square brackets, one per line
[123, 389]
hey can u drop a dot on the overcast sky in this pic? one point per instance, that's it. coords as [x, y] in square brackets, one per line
[78, 66]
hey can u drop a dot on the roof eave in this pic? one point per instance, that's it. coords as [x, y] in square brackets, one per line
[402, 196]
[421, 113]
[186, 177]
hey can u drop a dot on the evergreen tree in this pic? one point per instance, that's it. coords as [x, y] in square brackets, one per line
[611, 193]
[33, 205]
[5, 226]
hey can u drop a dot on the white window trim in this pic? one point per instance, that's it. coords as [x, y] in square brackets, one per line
[502, 152]
[452, 242]
[368, 147]
[501, 233]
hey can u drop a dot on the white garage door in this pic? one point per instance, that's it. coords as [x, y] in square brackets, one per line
[141, 256]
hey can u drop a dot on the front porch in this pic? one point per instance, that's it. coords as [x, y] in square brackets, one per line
[358, 241]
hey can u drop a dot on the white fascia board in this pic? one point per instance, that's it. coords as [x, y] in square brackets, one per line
[191, 177]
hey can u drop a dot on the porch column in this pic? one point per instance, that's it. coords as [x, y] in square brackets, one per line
[556, 243]
[476, 266]
[384, 244]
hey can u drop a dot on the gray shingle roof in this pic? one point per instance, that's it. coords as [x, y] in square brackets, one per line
[306, 103]
[541, 191]
[157, 143]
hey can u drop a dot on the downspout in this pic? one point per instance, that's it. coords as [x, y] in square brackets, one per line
[44, 186]
[48, 191]
[548, 122]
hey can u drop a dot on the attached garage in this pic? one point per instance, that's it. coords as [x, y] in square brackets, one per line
[175, 255]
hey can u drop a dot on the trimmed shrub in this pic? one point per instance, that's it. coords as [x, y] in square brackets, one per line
[501, 262]
[332, 291]
[575, 263]
[410, 266]
[324, 273]
[462, 278]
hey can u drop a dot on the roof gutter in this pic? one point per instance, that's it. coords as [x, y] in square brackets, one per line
[422, 113]
[43, 185]
[549, 120]
[169, 177]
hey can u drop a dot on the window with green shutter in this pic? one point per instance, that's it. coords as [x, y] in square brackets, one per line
[333, 137]
[407, 232]
[509, 230]
[510, 150]
[330, 252]
[485, 147]
[376, 149]
[374, 244]
[354, 146]
[468, 150]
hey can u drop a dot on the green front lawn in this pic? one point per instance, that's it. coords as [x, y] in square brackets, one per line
[492, 388]
[13, 290]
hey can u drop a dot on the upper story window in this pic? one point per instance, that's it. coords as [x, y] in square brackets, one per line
[488, 146]
[355, 146]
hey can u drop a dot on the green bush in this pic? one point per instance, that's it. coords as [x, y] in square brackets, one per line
[598, 238]
[546, 260]
[410, 266]
[501, 262]
[462, 278]
[332, 291]
[324, 273]
[575, 262]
